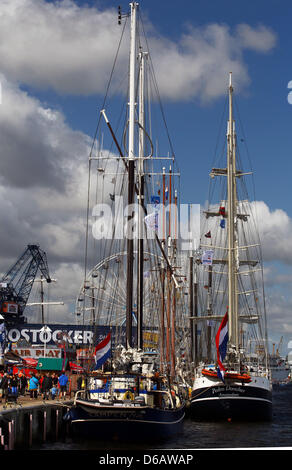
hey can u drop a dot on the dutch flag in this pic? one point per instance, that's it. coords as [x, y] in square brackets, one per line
[102, 351]
[221, 345]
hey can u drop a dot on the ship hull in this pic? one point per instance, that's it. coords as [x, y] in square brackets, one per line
[125, 423]
[232, 401]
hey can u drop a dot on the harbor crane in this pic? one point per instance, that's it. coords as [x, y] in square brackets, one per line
[16, 284]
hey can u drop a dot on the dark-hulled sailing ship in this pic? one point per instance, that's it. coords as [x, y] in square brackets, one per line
[134, 394]
[232, 378]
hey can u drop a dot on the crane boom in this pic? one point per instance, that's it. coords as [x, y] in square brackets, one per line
[16, 284]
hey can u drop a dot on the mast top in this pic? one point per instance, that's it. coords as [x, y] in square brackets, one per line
[230, 82]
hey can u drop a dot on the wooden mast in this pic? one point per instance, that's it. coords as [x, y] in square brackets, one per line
[169, 285]
[231, 223]
[173, 320]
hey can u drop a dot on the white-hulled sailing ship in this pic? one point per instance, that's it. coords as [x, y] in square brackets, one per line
[131, 389]
[232, 376]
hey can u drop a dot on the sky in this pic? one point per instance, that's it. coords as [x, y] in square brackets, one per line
[55, 61]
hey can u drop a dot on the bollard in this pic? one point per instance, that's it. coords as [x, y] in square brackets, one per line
[57, 424]
[45, 427]
[10, 435]
[30, 430]
[1, 438]
[13, 434]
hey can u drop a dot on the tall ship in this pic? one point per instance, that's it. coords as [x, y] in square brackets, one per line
[232, 375]
[131, 288]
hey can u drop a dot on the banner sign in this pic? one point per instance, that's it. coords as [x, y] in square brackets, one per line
[32, 334]
[35, 353]
[25, 335]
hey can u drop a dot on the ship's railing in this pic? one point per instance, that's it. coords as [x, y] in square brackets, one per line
[172, 400]
[80, 394]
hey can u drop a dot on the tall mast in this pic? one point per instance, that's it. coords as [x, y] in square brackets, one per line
[140, 292]
[162, 335]
[131, 171]
[231, 223]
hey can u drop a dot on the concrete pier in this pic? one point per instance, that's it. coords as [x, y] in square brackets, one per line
[31, 423]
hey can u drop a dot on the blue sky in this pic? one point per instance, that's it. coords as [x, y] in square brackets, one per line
[52, 89]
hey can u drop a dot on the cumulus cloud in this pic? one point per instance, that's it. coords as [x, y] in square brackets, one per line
[43, 179]
[198, 65]
[275, 228]
[37, 146]
[70, 49]
[58, 44]
[261, 39]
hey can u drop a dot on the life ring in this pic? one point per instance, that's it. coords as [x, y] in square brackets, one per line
[128, 395]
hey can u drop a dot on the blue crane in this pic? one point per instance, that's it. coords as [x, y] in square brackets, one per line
[17, 283]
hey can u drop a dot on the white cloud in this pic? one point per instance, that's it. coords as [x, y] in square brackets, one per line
[275, 228]
[261, 39]
[43, 178]
[70, 49]
[199, 64]
[38, 148]
[57, 45]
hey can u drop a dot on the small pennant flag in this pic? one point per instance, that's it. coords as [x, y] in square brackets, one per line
[222, 211]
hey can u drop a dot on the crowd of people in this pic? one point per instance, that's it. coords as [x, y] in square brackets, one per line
[48, 385]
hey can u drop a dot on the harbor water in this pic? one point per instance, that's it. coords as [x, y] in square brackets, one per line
[276, 433]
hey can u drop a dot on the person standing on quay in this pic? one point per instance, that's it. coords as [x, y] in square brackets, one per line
[33, 387]
[14, 385]
[63, 380]
[46, 386]
[23, 384]
[4, 386]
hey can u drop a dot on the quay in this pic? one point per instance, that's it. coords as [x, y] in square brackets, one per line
[31, 422]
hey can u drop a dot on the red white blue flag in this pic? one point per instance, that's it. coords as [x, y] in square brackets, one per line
[102, 351]
[221, 345]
